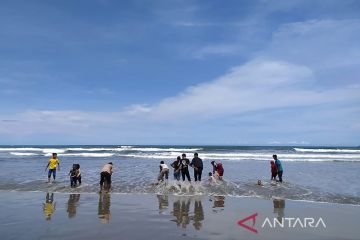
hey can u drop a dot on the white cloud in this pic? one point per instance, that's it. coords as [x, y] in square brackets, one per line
[258, 85]
[318, 43]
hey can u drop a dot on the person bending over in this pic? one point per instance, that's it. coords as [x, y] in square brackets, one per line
[105, 176]
[164, 171]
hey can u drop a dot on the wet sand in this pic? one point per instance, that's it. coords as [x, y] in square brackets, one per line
[36, 215]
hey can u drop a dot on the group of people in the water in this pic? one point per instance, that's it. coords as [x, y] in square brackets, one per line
[181, 169]
[180, 166]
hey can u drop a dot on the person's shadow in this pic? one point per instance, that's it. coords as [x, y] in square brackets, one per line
[49, 206]
[104, 207]
[72, 204]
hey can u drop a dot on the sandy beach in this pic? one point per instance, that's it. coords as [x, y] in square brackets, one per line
[27, 215]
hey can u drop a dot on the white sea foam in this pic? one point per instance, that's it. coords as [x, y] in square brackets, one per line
[249, 156]
[88, 154]
[19, 149]
[22, 154]
[327, 150]
[153, 149]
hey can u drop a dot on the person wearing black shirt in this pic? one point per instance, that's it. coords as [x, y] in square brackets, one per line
[185, 168]
[197, 164]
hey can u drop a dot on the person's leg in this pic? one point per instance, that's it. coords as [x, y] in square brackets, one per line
[183, 173]
[102, 179]
[54, 173]
[161, 176]
[79, 179]
[280, 176]
[108, 179]
[49, 175]
[167, 174]
[188, 175]
[199, 173]
[177, 175]
[74, 181]
[195, 174]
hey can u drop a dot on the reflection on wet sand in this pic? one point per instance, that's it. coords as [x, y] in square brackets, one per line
[198, 214]
[72, 204]
[49, 206]
[219, 203]
[104, 207]
[163, 202]
[279, 207]
[182, 210]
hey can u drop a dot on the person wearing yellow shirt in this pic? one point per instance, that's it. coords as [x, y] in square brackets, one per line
[52, 164]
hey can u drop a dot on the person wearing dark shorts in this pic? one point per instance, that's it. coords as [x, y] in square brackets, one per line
[185, 168]
[105, 175]
[197, 164]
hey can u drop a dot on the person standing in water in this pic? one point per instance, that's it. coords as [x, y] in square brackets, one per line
[197, 164]
[279, 167]
[105, 175]
[72, 175]
[177, 168]
[52, 164]
[273, 170]
[185, 168]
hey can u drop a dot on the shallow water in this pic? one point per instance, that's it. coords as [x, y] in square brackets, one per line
[332, 176]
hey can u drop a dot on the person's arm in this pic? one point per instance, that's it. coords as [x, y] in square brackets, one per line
[192, 163]
[47, 166]
[58, 166]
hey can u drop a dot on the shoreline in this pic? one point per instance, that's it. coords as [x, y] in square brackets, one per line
[184, 195]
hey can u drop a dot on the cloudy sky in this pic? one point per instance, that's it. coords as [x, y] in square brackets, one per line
[180, 72]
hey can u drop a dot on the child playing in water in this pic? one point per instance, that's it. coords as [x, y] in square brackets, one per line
[72, 175]
[211, 178]
[273, 170]
[164, 171]
[78, 173]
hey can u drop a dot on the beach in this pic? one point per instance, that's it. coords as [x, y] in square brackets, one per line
[149, 216]
[319, 198]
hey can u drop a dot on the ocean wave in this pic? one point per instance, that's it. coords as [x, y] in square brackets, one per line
[89, 154]
[23, 154]
[315, 150]
[154, 149]
[255, 157]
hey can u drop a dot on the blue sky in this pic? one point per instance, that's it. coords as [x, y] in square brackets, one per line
[180, 72]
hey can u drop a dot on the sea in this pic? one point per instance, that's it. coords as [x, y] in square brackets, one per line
[316, 174]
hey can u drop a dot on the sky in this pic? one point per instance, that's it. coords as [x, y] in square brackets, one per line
[180, 72]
